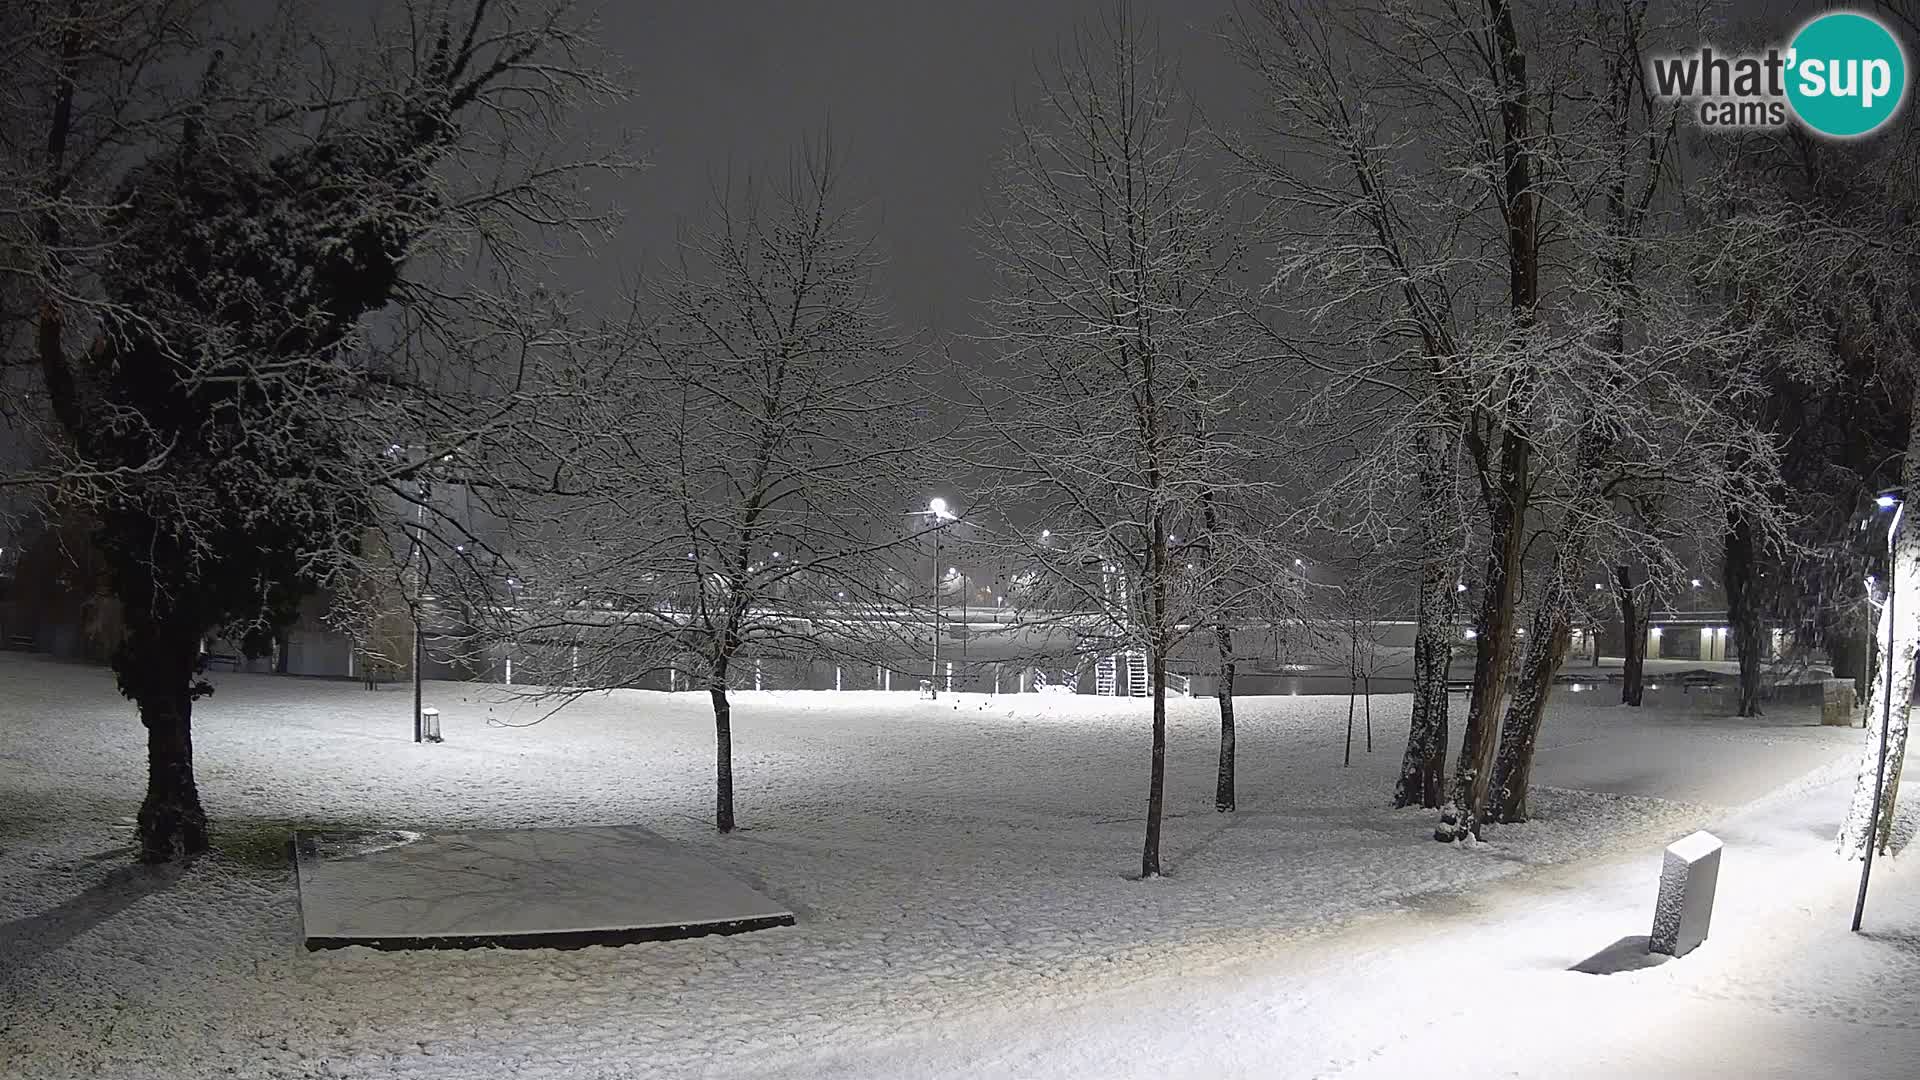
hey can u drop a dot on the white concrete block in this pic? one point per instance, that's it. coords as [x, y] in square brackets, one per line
[1685, 908]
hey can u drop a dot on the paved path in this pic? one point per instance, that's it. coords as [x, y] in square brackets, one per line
[1478, 987]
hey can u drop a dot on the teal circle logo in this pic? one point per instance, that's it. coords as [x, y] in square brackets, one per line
[1847, 74]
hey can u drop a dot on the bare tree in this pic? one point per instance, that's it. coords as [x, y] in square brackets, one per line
[1116, 400]
[741, 494]
[1412, 161]
[1390, 177]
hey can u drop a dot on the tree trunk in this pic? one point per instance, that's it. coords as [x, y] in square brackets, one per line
[1472, 773]
[1743, 610]
[1223, 790]
[1547, 645]
[1423, 769]
[723, 750]
[1157, 782]
[1353, 686]
[1905, 619]
[1352, 690]
[1900, 618]
[1366, 699]
[157, 669]
[1507, 501]
[1633, 629]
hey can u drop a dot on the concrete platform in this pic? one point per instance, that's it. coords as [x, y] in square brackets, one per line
[515, 888]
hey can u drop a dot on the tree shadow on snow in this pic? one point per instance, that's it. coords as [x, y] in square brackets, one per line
[26, 939]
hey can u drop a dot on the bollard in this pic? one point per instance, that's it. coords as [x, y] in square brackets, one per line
[1685, 907]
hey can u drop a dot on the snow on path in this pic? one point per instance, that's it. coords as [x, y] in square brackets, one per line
[946, 861]
[1480, 989]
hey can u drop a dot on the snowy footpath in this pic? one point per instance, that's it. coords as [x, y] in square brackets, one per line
[1480, 988]
[960, 872]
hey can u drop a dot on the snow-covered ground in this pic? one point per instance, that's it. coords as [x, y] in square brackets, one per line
[960, 871]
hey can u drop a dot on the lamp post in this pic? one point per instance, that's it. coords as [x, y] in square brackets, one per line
[937, 510]
[1886, 501]
[423, 491]
[419, 599]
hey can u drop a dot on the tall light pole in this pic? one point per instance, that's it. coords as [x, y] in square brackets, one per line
[419, 602]
[1886, 501]
[937, 510]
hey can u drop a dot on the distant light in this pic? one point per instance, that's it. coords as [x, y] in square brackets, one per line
[461, 548]
[1696, 583]
[1461, 587]
[1597, 586]
[1521, 632]
[776, 554]
[1471, 634]
[1299, 562]
[1886, 502]
[842, 594]
[938, 508]
[1045, 533]
[953, 570]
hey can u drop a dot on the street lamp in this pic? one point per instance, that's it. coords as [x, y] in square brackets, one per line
[1885, 501]
[937, 510]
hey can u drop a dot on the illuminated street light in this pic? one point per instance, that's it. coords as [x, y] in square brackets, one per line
[937, 509]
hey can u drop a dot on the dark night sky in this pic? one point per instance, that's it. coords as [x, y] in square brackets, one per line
[919, 96]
